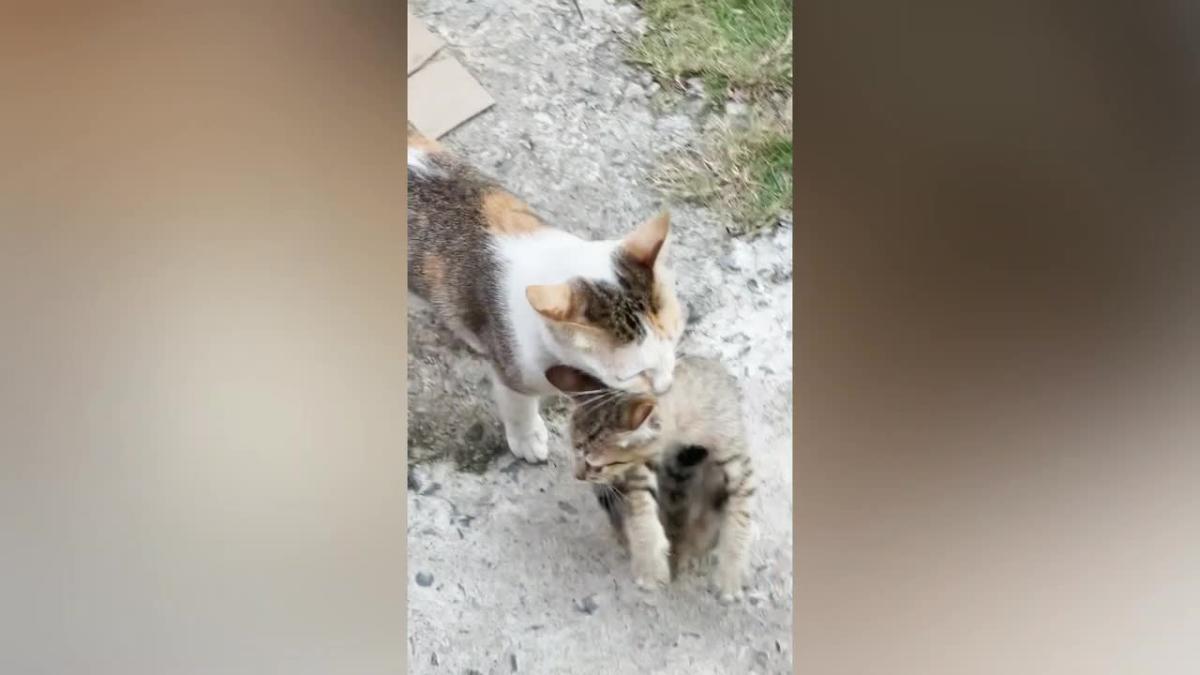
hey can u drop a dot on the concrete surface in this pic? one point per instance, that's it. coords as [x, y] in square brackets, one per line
[513, 567]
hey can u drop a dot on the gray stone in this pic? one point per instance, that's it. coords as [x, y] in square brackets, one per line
[424, 579]
[587, 605]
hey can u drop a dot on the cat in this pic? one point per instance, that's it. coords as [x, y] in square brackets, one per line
[527, 296]
[671, 470]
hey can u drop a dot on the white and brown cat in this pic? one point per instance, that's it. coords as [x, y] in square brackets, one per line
[528, 296]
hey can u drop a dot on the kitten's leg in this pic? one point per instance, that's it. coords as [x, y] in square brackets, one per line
[523, 427]
[648, 546]
[733, 544]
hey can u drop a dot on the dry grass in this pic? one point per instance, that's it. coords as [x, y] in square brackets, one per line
[745, 171]
[740, 49]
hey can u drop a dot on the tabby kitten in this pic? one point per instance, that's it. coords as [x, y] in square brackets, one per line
[528, 296]
[671, 470]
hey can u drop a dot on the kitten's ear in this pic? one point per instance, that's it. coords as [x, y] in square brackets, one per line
[555, 301]
[574, 382]
[645, 244]
[638, 411]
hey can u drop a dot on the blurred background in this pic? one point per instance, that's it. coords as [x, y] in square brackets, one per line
[997, 332]
[201, 338]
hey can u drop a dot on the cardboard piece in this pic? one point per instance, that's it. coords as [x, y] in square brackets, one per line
[422, 44]
[443, 95]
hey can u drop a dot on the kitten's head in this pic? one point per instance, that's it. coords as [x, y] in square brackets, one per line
[610, 429]
[624, 331]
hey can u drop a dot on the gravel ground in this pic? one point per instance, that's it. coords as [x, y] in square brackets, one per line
[513, 567]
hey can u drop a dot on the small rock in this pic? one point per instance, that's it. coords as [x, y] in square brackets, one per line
[653, 88]
[727, 263]
[646, 78]
[474, 433]
[424, 579]
[433, 659]
[588, 605]
[628, 13]
[512, 662]
[760, 657]
[414, 479]
[634, 91]
[568, 508]
[696, 106]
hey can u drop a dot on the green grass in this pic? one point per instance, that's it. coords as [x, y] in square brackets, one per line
[740, 49]
[731, 45]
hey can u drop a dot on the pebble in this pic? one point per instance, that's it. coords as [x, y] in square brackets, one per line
[634, 91]
[568, 508]
[587, 605]
[424, 579]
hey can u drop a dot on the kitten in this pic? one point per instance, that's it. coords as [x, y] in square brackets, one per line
[528, 296]
[671, 470]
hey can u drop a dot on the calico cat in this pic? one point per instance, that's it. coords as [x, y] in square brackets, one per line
[528, 296]
[672, 470]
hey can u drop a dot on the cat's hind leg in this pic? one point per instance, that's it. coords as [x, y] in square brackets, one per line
[524, 428]
[733, 543]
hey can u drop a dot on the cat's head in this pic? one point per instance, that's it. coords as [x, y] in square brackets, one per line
[610, 429]
[625, 329]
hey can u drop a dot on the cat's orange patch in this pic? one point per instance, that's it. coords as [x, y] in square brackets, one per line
[666, 320]
[420, 142]
[505, 214]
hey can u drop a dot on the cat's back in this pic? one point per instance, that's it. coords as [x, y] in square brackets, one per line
[449, 201]
[458, 220]
[703, 381]
[704, 400]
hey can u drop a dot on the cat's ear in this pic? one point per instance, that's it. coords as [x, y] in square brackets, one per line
[574, 382]
[637, 412]
[646, 243]
[555, 301]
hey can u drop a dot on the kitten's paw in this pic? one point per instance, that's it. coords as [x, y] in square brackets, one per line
[729, 586]
[730, 598]
[651, 572]
[531, 443]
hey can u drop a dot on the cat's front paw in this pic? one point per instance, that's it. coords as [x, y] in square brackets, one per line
[729, 585]
[530, 442]
[652, 563]
[651, 573]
